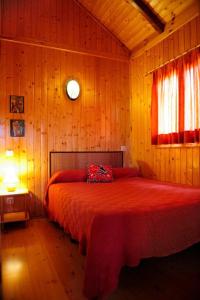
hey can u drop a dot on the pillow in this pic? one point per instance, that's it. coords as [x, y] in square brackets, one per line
[69, 176]
[99, 173]
[126, 172]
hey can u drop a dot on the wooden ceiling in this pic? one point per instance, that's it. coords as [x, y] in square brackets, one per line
[136, 23]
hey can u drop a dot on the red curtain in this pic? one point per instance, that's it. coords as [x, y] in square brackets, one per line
[175, 110]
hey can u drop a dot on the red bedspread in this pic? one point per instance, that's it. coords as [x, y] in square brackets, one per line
[120, 223]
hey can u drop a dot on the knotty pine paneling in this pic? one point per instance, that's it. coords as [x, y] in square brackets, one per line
[59, 23]
[123, 19]
[96, 121]
[175, 164]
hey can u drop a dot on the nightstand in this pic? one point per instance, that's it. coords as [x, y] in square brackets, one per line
[14, 206]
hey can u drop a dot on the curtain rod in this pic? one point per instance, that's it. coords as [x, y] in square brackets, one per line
[172, 59]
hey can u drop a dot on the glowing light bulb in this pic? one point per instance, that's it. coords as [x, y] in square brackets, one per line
[9, 153]
[10, 179]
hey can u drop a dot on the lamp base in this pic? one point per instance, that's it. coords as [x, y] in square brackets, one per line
[11, 189]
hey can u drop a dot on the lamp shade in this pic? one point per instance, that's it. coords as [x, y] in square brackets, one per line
[10, 180]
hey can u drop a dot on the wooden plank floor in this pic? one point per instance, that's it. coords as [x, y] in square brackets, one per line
[40, 262]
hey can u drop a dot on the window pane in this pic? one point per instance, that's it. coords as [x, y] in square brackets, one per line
[168, 108]
[192, 98]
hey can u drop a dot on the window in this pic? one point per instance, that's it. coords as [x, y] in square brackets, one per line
[176, 101]
[192, 97]
[168, 104]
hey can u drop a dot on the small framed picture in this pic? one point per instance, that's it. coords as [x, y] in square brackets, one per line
[17, 128]
[16, 104]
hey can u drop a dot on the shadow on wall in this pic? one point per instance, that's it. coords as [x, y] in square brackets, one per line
[146, 170]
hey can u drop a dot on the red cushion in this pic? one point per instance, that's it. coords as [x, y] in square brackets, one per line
[126, 172]
[99, 173]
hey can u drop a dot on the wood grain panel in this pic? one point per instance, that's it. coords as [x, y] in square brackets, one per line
[126, 21]
[179, 164]
[60, 23]
[122, 19]
[168, 9]
[96, 121]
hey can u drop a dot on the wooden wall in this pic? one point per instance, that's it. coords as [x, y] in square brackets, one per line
[59, 23]
[179, 164]
[43, 43]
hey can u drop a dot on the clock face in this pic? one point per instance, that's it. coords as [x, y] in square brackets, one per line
[73, 89]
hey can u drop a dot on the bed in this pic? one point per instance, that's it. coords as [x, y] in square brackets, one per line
[121, 222]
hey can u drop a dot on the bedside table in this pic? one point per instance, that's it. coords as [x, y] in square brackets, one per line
[14, 206]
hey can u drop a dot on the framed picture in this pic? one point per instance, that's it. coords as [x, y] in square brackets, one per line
[17, 128]
[16, 104]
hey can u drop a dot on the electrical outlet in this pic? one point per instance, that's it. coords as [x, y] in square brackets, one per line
[123, 148]
[9, 200]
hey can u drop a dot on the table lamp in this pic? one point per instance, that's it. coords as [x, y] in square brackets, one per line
[10, 179]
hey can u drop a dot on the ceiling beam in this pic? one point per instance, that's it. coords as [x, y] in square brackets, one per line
[147, 11]
[186, 16]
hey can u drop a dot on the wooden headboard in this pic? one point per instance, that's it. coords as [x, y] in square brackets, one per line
[78, 160]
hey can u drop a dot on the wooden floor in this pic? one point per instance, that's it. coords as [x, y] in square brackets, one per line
[40, 262]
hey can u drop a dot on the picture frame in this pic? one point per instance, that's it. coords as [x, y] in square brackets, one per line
[17, 128]
[16, 104]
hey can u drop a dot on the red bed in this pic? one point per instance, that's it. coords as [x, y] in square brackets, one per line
[122, 222]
